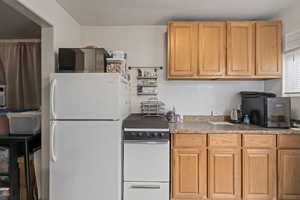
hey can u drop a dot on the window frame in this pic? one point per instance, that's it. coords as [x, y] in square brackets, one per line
[284, 81]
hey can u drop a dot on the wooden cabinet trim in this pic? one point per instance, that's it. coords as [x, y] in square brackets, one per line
[259, 141]
[224, 140]
[289, 141]
[189, 140]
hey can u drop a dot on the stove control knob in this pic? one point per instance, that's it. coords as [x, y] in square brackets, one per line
[148, 134]
[155, 134]
[162, 134]
[133, 134]
[140, 134]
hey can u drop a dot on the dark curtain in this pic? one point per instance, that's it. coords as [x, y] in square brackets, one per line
[20, 68]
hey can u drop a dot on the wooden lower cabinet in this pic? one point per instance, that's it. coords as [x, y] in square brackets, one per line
[189, 173]
[224, 174]
[235, 167]
[259, 174]
[289, 174]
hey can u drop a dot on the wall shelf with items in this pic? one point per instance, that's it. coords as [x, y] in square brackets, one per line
[147, 80]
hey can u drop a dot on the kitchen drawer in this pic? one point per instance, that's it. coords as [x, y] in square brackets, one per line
[189, 140]
[259, 141]
[224, 140]
[289, 141]
[146, 191]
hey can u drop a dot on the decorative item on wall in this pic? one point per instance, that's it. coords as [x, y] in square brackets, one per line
[147, 80]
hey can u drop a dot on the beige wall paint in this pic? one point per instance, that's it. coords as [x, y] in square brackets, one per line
[18, 26]
[146, 46]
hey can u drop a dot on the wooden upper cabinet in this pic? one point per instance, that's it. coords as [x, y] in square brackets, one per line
[240, 48]
[268, 48]
[225, 50]
[211, 48]
[182, 50]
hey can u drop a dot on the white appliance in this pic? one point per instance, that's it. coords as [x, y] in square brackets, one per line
[146, 159]
[2, 96]
[87, 110]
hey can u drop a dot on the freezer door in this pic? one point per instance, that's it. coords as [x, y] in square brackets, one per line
[86, 96]
[85, 160]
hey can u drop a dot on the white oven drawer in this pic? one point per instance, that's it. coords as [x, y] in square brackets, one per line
[146, 191]
[146, 161]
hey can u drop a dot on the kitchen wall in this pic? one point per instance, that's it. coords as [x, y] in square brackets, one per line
[146, 46]
[18, 26]
[291, 23]
[59, 29]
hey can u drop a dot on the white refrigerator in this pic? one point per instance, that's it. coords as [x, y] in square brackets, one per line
[86, 111]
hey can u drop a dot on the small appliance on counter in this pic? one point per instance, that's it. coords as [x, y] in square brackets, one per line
[267, 110]
[235, 116]
[88, 60]
[146, 158]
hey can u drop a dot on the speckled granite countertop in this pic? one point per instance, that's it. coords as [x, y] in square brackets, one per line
[204, 127]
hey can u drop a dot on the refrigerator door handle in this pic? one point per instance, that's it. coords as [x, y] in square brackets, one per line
[52, 93]
[52, 145]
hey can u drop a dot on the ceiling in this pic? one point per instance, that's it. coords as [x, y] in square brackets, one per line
[15, 25]
[158, 12]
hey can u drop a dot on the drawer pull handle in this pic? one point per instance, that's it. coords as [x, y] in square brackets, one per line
[145, 187]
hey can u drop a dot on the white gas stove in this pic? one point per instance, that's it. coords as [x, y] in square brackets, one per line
[146, 158]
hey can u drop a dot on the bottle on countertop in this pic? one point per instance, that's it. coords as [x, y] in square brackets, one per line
[246, 120]
[171, 115]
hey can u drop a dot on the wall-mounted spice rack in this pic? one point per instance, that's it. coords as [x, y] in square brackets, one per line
[147, 80]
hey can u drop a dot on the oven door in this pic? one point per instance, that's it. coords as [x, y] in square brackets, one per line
[146, 160]
[146, 191]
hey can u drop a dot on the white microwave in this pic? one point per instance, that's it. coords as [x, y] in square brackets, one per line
[2, 96]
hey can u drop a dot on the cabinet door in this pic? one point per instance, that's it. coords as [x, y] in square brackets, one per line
[182, 47]
[224, 174]
[211, 48]
[289, 175]
[259, 175]
[268, 49]
[189, 174]
[240, 48]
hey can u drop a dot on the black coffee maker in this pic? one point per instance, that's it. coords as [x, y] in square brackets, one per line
[267, 110]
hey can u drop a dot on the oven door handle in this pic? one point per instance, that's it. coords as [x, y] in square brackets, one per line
[146, 142]
[156, 187]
